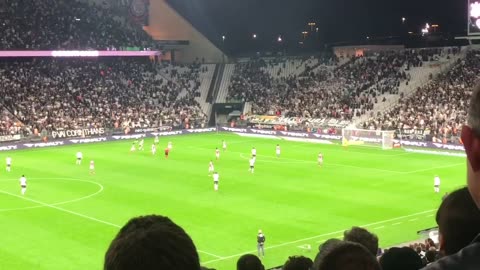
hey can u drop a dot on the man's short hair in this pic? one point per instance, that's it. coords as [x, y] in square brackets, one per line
[151, 242]
[458, 219]
[348, 256]
[403, 258]
[249, 262]
[430, 256]
[298, 263]
[363, 237]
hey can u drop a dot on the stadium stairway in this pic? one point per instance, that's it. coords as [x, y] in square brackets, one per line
[205, 80]
[420, 76]
[247, 108]
[227, 76]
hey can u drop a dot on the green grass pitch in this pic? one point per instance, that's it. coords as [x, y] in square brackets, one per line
[68, 217]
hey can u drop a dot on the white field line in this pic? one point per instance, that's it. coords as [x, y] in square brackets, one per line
[272, 160]
[80, 215]
[60, 209]
[59, 203]
[316, 236]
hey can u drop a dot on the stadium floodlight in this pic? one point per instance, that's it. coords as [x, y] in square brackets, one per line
[404, 19]
[279, 39]
[475, 10]
[254, 36]
[223, 38]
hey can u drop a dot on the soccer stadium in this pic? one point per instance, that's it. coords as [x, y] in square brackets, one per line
[248, 135]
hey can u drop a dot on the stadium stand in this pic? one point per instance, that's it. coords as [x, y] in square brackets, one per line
[60, 94]
[312, 88]
[51, 25]
[438, 107]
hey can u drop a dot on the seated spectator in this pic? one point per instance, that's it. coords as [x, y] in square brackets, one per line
[458, 220]
[151, 243]
[401, 259]
[298, 263]
[430, 256]
[346, 255]
[249, 262]
[363, 237]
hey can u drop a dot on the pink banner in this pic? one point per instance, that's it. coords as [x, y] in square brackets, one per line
[76, 53]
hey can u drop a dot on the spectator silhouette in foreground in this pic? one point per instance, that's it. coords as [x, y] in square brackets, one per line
[363, 237]
[152, 243]
[298, 263]
[249, 262]
[469, 257]
[458, 220]
[403, 258]
[346, 255]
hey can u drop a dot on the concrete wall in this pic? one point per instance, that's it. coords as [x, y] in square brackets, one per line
[167, 24]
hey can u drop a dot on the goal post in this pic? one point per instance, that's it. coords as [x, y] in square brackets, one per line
[376, 138]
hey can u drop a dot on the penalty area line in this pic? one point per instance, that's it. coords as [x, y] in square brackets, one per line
[317, 236]
[81, 215]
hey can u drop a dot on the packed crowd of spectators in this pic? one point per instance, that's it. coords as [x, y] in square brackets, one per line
[62, 24]
[437, 108]
[53, 94]
[8, 123]
[327, 93]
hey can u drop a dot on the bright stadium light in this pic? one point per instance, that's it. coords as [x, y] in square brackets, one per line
[279, 39]
[404, 19]
[254, 36]
[475, 10]
[223, 38]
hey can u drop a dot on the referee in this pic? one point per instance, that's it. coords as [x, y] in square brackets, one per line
[260, 243]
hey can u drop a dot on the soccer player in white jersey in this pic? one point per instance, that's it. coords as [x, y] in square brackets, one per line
[133, 148]
[217, 153]
[224, 145]
[436, 184]
[154, 149]
[252, 165]
[9, 163]
[169, 146]
[156, 140]
[277, 150]
[320, 159]
[23, 184]
[79, 158]
[254, 152]
[140, 144]
[215, 180]
[211, 169]
[92, 167]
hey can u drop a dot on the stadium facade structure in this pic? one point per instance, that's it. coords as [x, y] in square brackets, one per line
[182, 42]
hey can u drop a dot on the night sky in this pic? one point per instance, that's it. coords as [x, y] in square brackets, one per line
[349, 21]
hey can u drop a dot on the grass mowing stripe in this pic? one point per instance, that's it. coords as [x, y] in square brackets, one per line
[80, 215]
[317, 236]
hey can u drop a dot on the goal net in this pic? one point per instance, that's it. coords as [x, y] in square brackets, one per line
[383, 138]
